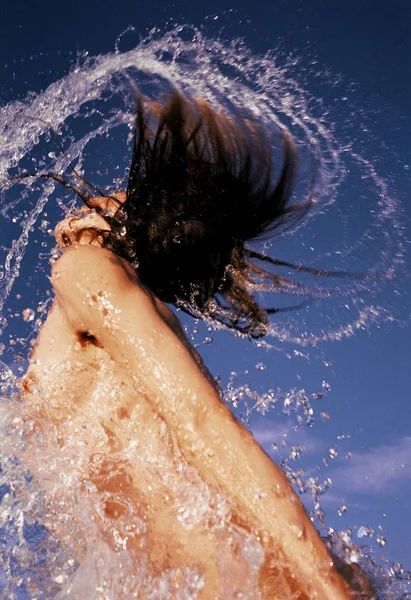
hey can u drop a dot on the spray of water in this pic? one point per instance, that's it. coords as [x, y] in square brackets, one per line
[86, 119]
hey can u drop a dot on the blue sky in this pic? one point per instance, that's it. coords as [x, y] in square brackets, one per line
[367, 47]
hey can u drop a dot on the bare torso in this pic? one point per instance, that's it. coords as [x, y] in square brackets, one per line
[117, 383]
[74, 386]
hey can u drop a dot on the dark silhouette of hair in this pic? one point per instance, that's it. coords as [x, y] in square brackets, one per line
[200, 186]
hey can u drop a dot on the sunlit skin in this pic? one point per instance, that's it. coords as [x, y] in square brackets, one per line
[104, 312]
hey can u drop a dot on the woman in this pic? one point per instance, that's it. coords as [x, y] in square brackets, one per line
[200, 186]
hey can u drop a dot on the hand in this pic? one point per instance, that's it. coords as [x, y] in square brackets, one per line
[88, 226]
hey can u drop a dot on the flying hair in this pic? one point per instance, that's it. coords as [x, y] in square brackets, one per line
[201, 186]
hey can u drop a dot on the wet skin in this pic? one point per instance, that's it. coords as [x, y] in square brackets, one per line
[162, 399]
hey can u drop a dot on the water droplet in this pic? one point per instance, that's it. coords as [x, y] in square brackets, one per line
[260, 366]
[296, 452]
[28, 314]
[332, 453]
[361, 532]
[343, 509]
[326, 387]
[354, 556]
[381, 541]
[327, 482]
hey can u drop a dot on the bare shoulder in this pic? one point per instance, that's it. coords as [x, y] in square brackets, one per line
[91, 266]
[84, 270]
[88, 262]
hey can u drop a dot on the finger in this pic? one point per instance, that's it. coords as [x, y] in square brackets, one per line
[71, 229]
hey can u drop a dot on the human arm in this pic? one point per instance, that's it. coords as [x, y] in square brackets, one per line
[101, 294]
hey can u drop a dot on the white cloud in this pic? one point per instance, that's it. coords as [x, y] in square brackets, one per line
[273, 433]
[377, 470]
[276, 433]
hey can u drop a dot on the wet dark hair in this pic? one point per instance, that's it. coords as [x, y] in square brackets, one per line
[200, 186]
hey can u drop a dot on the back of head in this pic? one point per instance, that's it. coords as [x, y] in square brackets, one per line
[200, 186]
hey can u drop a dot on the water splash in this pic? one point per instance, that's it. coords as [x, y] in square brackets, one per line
[91, 111]
[287, 443]
[95, 118]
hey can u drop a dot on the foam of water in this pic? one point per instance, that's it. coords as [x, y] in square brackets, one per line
[91, 109]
